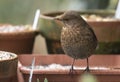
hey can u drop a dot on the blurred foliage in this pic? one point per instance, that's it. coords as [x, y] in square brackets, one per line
[22, 11]
[87, 77]
[14, 11]
[45, 80]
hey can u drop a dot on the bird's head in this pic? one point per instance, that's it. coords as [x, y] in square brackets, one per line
[68, 15]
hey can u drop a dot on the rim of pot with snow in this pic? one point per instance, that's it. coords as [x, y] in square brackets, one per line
[4, 55]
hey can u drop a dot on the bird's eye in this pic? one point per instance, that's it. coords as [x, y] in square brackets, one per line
[66, 19]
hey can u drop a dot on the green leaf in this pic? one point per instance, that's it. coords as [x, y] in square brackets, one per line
[38, 80]
[45, 80]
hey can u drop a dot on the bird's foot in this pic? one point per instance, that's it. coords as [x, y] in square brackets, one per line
[87, 70]
[72, 71]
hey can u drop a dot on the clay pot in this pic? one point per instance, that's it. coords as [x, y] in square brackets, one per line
[8, 68]
[107, 32]
[108, 68]
[18, 42]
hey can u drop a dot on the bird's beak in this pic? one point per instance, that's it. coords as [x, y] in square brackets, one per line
[58, 18]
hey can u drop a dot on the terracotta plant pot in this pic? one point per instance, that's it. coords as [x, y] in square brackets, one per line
[107, 68]
[107, 32]
[18, 42]
[8, 68]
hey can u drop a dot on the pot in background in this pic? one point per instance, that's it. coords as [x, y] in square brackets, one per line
[19, 42]
[107, 32]
[8, 67]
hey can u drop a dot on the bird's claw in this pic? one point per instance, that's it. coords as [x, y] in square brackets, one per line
[87, 70]
[72, 72]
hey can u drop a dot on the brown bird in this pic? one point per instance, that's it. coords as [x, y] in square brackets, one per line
[78, 40]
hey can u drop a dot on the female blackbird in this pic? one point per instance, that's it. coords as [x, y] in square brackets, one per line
[78, 40]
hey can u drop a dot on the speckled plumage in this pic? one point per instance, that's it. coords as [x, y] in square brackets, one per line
[77, 37]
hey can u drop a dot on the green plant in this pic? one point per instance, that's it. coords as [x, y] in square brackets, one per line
[45, 80]
[38, 80]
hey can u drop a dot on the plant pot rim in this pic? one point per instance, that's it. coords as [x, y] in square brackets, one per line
[16, 33]
[66, 72]
[111, 69]
[50, 15]
[13, 58]
[19, 35]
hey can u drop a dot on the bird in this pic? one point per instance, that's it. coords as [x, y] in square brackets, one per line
[78, 39]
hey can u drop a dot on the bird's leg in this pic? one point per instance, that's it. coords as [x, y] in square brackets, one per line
[72, 67]
[87, 68]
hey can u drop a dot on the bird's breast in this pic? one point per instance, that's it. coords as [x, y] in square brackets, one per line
[69, 35]
[77, 43]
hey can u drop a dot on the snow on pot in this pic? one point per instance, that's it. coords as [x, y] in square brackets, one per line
[8, 66]
[56, 67]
